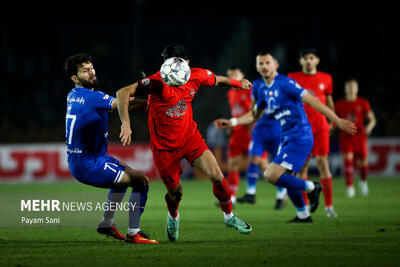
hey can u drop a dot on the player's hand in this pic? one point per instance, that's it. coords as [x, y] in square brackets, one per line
[246, 84]
[125, 135]
[347, 126]
[222, 123]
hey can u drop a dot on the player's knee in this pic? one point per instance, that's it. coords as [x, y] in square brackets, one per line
[216, 176]
[176, 193]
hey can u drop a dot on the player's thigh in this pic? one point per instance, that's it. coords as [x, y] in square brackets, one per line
[168, 167]
[304, 169]
[207, 164]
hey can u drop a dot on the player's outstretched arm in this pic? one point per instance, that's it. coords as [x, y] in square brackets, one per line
[229, 82]
[344, 125]
[228, 123]
[123, 98]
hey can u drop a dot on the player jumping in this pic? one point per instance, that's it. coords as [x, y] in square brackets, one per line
[87, 141]
[174, 136]
[357, 110]
[320, 85]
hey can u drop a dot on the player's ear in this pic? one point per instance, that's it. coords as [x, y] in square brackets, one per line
[74, 78]
[317, 60]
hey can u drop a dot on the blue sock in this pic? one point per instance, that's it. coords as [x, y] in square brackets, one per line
[115, 195]
[291, 182]
[252, 178]
[296, 196]
[137, 203]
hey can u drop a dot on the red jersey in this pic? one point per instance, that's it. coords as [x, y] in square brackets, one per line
[240, 104]
[355, 112]
[170, 115]
[319, 85]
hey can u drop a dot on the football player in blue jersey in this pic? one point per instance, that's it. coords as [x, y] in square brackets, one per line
[283, 99]
[87, 140]
[259, 144]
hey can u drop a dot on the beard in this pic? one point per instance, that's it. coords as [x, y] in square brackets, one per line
[88, 83]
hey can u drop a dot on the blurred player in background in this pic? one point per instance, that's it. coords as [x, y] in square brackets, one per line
[354, 147]
[319, 84]
[283, 99]
[265, 137]
[239, 103]
[174, 136]
[87, 141]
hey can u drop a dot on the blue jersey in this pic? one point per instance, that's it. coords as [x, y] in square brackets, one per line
[257, 93]
[86, 125]
[282, 99]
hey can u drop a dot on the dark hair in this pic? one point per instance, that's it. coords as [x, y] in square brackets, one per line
[233, 67]
[265, 52]
[351, 79]
[308, 50]
[174, 50]
[74, 62]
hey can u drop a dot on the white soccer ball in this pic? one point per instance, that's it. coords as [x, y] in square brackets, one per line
[175, 71]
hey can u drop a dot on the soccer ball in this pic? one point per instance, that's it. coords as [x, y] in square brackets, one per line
[175, 71]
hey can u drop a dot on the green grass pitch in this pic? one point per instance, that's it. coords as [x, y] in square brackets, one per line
[366, 233]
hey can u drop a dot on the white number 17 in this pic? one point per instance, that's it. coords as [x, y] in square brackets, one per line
[71, 128]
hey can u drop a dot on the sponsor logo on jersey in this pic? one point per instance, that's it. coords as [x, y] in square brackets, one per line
[79, 100]
[106, 96]
[321, 86]
[209, 73]
[192, 92]
[283, 113]
[177, 110]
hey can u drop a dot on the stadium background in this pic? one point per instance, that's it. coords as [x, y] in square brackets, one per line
[127, 38]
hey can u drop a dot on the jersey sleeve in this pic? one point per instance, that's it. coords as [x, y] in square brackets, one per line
[329, 88]
[292, 89]
[206, 77]
[366, 106]
[149, 85]
[98, 99]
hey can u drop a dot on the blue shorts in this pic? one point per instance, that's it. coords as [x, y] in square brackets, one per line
[103, 172]
[293, 154]
[264, 139]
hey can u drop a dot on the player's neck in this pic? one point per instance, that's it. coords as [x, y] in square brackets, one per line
[270, 79]
[309, 72]
[351, 98]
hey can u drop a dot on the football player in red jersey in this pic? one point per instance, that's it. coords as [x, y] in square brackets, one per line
[354, 147]
[319, 84]
[174, 135]
[239, 103]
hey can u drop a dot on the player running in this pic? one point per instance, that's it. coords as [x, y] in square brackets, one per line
[354, 147]
[239, 103]
[319, 84]
[265, 137]
[174, 136]
[87, 141]
[283, 100]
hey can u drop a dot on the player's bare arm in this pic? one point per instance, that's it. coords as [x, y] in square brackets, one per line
[230, 82]
[134, 104]
[344, 125]
[245, 119]
[123, 98]
[371, 122]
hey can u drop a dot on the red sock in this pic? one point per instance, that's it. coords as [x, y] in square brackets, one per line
[364, 173]
[222, 193]
[348, 171]
[233, 180]
[305, 193]
[172, 206]
[327, 189]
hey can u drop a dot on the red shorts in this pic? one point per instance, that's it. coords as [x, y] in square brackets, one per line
[168, 162]
[354, 144]
[239, 142]
[321, 142]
